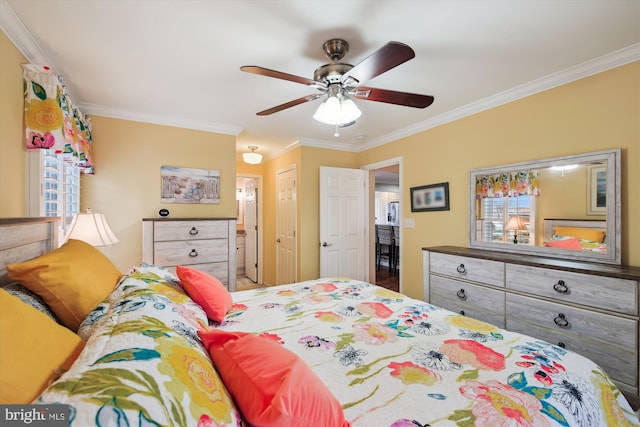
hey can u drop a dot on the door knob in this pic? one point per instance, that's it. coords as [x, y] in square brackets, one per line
[325, 244]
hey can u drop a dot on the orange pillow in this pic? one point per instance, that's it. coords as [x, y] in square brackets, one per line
[34, 350]
[571, 243]
[206, 291]
[272, 386]
[72, 280]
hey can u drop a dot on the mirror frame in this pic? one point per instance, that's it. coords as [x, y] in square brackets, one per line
[614, 208]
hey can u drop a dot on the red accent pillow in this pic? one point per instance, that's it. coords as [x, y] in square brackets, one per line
[271, 385]
[571, 243]
[206, 291]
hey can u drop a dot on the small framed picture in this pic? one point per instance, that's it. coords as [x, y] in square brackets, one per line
[434, 197]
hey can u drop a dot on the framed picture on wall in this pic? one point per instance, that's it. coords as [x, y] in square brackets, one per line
[186, 185]
[434, 197]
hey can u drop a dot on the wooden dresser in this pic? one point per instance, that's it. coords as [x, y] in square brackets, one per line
[589, 308]
[208, 244]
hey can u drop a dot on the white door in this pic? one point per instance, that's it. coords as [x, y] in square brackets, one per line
[343, 223]
[286, 223]
[251, 228]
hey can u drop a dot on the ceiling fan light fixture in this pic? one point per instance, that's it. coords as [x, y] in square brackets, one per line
[252, 157]
[350, 111]
[337, 110]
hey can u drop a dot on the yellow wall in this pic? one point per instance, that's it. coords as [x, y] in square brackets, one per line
[126, 186]
[12, 160]
[592, 114]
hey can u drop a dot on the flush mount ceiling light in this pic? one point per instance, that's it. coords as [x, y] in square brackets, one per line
[252, 157]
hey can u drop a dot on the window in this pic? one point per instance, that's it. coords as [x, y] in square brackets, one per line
[53, 187]
[495, 216]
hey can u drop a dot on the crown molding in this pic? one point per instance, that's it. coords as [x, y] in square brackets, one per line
[119, 113]
[603, 63]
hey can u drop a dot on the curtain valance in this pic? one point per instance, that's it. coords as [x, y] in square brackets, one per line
[52, 121]
[512, 184]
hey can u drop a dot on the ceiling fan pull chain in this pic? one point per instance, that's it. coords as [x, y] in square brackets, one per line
[336, 134]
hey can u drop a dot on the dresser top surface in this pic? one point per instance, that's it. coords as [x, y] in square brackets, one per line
[623, 272]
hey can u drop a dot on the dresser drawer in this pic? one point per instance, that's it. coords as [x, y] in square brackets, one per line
[620, 364]
[607, 293]
[466, 294]
[189, 253]
[576, 322]
[219, 270]
[190, 230]
[474, 269]
[496, 319]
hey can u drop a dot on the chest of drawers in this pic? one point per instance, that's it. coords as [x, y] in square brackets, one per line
[208, 244]
[591, 309]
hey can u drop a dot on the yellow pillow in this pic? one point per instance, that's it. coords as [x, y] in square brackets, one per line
[581, 233]
[72, 279]
[34, 350]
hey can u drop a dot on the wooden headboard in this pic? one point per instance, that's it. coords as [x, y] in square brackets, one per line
[22, 239]
[551, 224]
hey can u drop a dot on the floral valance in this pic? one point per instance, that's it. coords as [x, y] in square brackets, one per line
[51, 121]
[512, 184]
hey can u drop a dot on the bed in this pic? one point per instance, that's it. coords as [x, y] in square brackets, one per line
[324, 352]
[576, 234]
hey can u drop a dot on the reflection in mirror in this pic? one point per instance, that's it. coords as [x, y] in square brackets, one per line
[565, 207]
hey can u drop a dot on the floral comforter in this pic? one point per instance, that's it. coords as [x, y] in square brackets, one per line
[144, 364]
[396, 361]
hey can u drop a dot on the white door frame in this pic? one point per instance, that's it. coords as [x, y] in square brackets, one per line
[258, 179]
[371, 167]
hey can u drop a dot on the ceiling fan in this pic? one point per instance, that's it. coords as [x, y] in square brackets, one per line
[341, 81]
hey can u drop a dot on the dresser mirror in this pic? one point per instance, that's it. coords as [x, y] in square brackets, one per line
[566, 207]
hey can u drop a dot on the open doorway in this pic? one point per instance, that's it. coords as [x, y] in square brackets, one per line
[387, 216]
[249, 231]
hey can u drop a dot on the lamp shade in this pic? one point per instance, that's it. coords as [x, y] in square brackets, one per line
[516, 223]
[92, 228]
[337, 111]
[252, 157]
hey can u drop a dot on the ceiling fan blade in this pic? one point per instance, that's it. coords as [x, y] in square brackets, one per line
[387, 57]
[289, 104]
[393, 97]
[280, 75]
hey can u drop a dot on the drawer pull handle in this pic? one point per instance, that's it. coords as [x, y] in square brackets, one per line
[462, 312]
[561, 287]
[193, 253]
[461, 269]
[561, 321]
[193, 231]
[561, 344]
[461, 294]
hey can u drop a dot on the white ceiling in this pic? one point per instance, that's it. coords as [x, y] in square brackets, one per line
[177, 62]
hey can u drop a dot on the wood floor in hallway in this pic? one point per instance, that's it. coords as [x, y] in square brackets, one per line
[387, 279]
